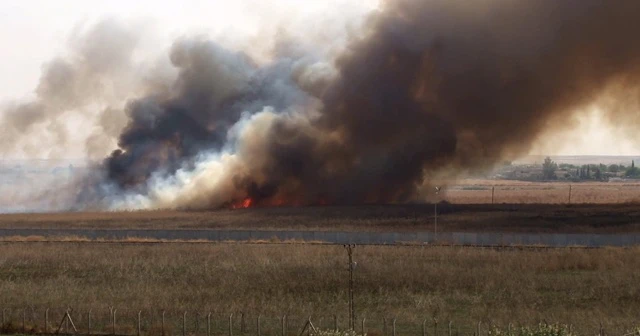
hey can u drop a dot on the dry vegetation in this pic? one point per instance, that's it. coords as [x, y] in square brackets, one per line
[581, 287]
[518, 192]
[585, 218]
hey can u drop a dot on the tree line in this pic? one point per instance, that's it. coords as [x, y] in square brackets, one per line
[596, 172]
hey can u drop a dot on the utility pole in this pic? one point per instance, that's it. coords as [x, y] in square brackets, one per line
[435, 216]
[352, 311]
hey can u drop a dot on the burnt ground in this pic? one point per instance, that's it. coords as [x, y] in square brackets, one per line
[540, 218]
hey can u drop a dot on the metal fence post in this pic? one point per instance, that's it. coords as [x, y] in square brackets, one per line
[449, 328]
[209, 324]
[258, 325]
[435, 327]
[113, 322]
[46, 321]
[424, 327]
[243, 327]
[139, 321]
[231, 325]
[162, 323]
[364, 330]
[393, 327]
[478, 329]
[493, 193]
[66, 321]
[284, 327]
[184, 324]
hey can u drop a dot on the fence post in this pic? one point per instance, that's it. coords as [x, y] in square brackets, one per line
[363, 326]
[66, 321]
[46, 321]
[209, 324]
[184, 323]
[139, 321]
[243, 327]
[24, 321]
[162, 323]
[89, 322]
[478, 328]
[424, 327]
[435, 327]
[231, 325]
[601, 330]
[284, 331]
[258, 325]
[509, 329]
[450, 328]
[113, 322]
[393, 327]
[493, 192]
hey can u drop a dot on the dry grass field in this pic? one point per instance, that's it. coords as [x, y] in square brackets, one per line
[583, 218]
[518, 192]
[464, 285]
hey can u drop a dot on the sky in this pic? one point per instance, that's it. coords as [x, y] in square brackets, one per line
[32, 32]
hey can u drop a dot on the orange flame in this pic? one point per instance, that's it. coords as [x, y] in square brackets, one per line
[245, 203]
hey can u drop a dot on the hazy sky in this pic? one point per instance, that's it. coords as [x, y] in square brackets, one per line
[34, 31]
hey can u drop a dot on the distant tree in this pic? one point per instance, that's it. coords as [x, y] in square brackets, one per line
[614, 168]
[549, 169]
[602, 167]
[588, 172]
[598, 174]
[633, 171]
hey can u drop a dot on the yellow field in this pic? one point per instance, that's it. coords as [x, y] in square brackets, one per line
[515, 192]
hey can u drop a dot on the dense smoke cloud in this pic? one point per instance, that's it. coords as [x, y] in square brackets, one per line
[423, 87]
[98, 71]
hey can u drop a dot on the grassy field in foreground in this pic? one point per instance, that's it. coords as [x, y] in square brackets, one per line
[464, 285]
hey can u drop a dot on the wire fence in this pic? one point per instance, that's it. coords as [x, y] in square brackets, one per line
[544, 193]
[128, 322]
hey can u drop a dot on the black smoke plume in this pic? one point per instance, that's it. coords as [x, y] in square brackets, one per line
[426, 86]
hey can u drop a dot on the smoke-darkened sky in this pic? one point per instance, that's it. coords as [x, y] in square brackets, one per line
[337, 104]
[36, 31]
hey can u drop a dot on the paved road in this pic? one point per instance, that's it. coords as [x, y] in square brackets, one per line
[339, 237]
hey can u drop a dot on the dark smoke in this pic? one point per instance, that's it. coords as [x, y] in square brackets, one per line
[427, 86]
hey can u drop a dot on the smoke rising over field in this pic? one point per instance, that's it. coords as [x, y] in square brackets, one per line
[421, 88]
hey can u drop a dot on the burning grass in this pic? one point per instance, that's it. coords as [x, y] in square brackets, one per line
[549, 218]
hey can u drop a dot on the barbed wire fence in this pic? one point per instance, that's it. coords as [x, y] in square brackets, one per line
[131, 322]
